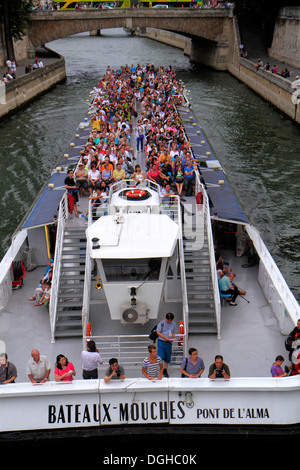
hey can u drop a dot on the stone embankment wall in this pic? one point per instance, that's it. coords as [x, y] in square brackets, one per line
[24, 89]
[286, 38]
[273, 88]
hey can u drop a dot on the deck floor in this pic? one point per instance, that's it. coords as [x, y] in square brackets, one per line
[250, 336]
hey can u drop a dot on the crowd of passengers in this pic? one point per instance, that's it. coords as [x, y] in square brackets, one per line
[118, 134]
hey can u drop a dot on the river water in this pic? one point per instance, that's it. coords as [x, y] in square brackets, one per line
[258, 147]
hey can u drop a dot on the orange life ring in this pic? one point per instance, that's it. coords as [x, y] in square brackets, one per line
[135, 193]
[181, 329]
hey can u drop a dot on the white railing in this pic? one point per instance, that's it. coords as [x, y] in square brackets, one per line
[61, 222]
[277, 292]
[87, 280]
[5, 267]
[200, 188]
[171, 206]
[211, 252]
[130, 350]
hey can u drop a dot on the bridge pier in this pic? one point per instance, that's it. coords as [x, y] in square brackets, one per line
[95, 32]
[210, 54]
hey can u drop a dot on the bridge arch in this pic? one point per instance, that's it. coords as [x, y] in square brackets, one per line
[209, 29]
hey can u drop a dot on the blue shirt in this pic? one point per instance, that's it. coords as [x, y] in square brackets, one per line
[166, 329]
[224, 283]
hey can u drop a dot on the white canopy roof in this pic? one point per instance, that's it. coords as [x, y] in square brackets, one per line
[136, 236]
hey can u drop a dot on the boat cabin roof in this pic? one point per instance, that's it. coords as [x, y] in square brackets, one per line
[133, 236]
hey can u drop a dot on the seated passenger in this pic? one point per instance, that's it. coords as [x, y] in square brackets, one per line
[138, 175]
[94, 176]
[81, 179]
[45, 299]
[119, 173]
[47, 277]
[153, 174]
[166, 192]
[227, 288]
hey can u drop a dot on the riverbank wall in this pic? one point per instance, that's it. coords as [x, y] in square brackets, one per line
[26, 87]
[272, 88]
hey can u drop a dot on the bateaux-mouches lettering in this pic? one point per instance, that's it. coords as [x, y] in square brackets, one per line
[65, 414]
[122, 412]
[144, 411]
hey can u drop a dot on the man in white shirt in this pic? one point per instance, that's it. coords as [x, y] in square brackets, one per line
[38, 368]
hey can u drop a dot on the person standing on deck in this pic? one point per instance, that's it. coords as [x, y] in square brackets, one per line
[166, 335]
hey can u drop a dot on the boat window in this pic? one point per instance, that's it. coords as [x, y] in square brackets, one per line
[131, 269]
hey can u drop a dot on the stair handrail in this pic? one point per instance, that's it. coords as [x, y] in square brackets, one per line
[211, 252]
[87, 280]
[61, 222]
[175, 201]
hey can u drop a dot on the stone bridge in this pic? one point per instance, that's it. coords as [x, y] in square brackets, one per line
[209, 29]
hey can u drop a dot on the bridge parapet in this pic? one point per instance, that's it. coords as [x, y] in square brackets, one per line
[211, 24]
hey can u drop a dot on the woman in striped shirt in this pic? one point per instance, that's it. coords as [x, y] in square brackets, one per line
[152, 366]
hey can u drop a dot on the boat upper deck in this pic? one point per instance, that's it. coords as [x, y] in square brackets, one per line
[250, 335]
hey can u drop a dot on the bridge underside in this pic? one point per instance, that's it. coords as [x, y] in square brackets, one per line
[209, 32]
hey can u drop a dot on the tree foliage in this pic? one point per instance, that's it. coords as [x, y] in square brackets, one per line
[15, 16]
[18, 12]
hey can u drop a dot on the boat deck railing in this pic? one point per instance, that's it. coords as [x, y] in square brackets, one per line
[61, 223]
[130, 183]
[131, 350]
[211, 252]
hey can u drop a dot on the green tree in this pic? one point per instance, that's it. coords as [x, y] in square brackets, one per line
[15, 15]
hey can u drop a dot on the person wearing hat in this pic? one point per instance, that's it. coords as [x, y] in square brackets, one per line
[81, 179]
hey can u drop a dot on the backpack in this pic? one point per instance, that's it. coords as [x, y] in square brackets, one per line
[186, 361]
[153, 334]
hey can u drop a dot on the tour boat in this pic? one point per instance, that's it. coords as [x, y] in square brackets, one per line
[118, 270]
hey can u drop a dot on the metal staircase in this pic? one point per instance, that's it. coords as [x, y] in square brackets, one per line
[71, 283]
[200, 294]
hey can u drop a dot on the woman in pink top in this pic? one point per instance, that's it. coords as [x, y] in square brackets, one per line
[64, 370]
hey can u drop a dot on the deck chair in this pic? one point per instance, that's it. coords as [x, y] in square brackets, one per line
[19, 272]
[223, 296]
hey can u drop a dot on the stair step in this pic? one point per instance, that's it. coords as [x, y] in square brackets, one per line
[70, 295]
[71, 314]
[79, 252]
[70, 332]
[198, 287]
[194, 310]
[66, 276]
[204, 301]
[69, 303]
[70, 323]
[202, 320]
[74, 243]
[195, 329]
[66, 285]
[72, 260]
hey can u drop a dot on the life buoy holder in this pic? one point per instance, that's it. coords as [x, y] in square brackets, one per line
[181, 330]
[135, 193]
